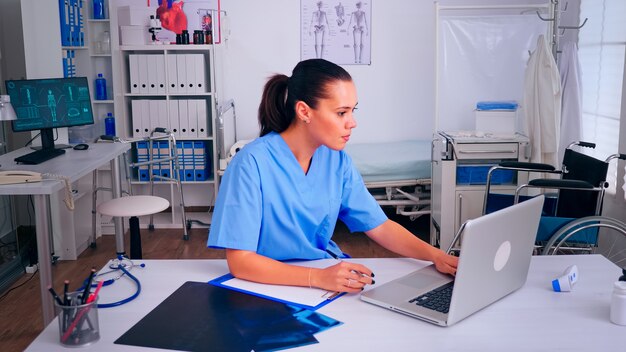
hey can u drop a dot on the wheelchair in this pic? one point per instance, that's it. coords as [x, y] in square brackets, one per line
[579, 187]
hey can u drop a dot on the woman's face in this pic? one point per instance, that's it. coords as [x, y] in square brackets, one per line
[333, 119]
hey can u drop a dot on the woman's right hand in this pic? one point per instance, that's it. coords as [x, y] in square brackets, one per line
[342, 277]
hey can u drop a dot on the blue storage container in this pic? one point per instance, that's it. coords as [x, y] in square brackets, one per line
[477, 175]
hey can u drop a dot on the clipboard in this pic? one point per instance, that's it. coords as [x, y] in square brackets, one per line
[279, 293]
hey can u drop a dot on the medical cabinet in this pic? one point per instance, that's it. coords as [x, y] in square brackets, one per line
[460, 162]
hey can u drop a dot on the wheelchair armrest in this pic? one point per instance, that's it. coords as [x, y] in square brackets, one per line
[527, 166]
[569, 184]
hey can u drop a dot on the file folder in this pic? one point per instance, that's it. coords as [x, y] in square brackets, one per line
[188, 161]
[173, 117]
[199, 161]
[133, 73]
[183, 118]
[160, 74]
[163, 118]
[181, 73]
[143, 73]
[164, 166]
[142, 156]
[145, 117]
[202, 130]
[136, 118]
[192, 118]
[156, 154]
[190, 70]
[171, 74]
[200, 74]
[151, 63]
[181, 160]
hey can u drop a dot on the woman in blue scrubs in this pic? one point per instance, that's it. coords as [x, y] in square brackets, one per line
[282, 194]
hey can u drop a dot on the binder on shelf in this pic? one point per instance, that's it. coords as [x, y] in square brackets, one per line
[80, 22]
[190, 70]
[143, 74]
[142, 156]
[181, 73]
[183, 119]
[146, 123]
[136, 118]
[155, 114]
[163, 118]
[164, 166]
[199, 161]
[160, 74]
[172, 74]
[181, 160]
[173, 117]
[192, 118]
[188, 161]
[133, 73]
[156, 154]
[151, 63]
[202, 131]
[64, 16]
[200, 74]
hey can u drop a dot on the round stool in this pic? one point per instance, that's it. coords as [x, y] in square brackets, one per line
[133, 207]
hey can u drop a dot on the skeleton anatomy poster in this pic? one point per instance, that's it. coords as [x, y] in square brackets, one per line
[338, 31]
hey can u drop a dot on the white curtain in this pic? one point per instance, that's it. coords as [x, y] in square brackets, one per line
[481, 58]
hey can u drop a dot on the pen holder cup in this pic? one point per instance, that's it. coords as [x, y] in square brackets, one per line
[78, 323]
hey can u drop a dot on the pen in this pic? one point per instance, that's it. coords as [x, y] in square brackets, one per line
[66, 284]
[55, 296]
[88, 286]
[335, 256]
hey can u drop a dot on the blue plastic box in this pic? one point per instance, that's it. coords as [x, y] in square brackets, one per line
[477, 175]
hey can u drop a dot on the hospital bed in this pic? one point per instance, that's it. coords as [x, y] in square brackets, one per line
[397, 174]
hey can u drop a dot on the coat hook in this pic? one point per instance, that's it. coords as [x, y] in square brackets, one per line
[543, 19]
[575, 27]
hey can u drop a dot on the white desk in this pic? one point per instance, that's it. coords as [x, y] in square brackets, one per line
[73, 164]
[531, 319]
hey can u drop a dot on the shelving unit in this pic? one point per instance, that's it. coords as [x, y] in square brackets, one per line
[198, 194]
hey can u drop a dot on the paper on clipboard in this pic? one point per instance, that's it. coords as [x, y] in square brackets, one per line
[310, 298]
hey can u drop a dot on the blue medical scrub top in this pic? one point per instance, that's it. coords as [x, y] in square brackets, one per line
[267, 204]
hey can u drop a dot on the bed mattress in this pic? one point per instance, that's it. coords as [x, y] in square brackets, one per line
[392, 161]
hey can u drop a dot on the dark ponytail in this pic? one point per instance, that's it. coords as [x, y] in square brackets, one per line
[307, 83]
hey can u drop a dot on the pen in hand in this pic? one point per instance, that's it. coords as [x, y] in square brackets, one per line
[335, 256]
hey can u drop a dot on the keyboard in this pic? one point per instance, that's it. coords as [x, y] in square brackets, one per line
[39, 156]
[437, 299]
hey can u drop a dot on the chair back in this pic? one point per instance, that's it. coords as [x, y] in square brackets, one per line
[575, 203]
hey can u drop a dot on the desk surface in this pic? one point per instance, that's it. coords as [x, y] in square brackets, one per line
[73, 164]
[531, 319]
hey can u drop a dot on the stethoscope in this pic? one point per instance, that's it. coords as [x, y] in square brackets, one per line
[125, 265]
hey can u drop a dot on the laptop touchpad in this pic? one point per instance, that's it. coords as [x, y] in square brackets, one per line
[423, 279]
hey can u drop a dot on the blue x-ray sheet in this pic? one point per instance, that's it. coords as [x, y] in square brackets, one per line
[201, 317]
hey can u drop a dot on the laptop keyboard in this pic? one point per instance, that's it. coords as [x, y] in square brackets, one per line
[437, 299]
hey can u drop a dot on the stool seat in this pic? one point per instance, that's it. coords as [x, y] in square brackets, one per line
[133, 206]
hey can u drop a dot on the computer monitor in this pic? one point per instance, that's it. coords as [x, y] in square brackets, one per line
[45, 104]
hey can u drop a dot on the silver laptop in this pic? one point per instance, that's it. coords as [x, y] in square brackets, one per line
[495, 256]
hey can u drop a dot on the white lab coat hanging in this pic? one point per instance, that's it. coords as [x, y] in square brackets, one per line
[542, 104]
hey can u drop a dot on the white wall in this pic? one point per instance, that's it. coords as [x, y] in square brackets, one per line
[396, 92]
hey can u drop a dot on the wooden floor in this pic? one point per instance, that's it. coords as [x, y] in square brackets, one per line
[20, 311]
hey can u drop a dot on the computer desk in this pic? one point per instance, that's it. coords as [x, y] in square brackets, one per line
[533, 318]
[73, 164]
